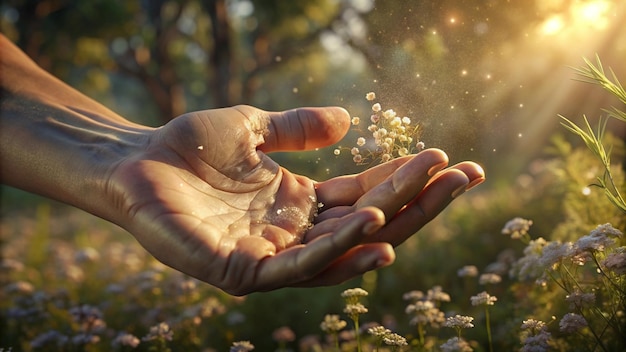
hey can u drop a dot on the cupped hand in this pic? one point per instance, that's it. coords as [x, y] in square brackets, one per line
[204, 198]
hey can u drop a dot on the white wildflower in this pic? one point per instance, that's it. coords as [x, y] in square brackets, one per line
[571, 323]
[517, 227]
[456, 344]
[483, 299]
[489, 278]
[332, 323]
[355, 309]
[459, 321]
[437, 294]
[394, 339]
[378, 331]
[578, 300]
[468, 271]
[389, 114]
[241, 346]
[354, 292]
[616, 261]
[554, 252]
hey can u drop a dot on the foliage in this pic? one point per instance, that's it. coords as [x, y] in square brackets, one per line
[594, 140]
[55, 265]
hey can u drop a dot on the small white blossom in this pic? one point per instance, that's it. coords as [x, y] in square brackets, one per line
[125, 339]
[571, 323]
[554, 252]
[332, 323]
[354, 293]
[579, 299]
[437, 294]
[483, 299]
[535, 336]
[517, 227]
[598, 239]
[378, 331]
[376, 107]
[414, 295]
[489, 278]
[616, 261]
[354, 309]
[370, 96]
[389, 114]
[241, 346]
[459, 321]
[605, 230]
[159, 331]
[533, 325]
[394, 339]
[456, 344]
[468, 271]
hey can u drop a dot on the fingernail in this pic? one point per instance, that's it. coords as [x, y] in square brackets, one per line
[381, 262]
[457, 192]
[475, 182]
[371, 227]
[436, 168]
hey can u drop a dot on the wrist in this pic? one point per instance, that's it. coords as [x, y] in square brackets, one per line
[63, 153]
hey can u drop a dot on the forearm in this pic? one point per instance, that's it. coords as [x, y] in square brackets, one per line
[55, 141]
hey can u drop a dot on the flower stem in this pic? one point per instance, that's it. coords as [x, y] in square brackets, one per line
[356, 331]
[488, 329]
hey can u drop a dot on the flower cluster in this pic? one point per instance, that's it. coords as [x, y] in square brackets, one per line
[534, 336]
[590, 272]
[392, 136]
[517, 227]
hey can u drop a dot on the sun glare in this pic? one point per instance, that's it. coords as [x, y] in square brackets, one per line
[553, 25]
[593, 12]
[577, 16]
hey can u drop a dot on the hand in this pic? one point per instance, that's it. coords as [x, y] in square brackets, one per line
[204, 198]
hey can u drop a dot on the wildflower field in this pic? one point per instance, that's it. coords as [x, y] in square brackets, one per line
[537, 263]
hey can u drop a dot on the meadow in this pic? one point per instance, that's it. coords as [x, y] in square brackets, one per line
[537, 263]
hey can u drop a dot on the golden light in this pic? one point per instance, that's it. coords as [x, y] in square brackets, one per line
[576, 16]
[593, 12]
[552, 25]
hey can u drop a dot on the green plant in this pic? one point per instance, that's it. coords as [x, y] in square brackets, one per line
[593, 139]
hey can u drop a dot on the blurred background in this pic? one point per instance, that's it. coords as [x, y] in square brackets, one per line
[486, 78]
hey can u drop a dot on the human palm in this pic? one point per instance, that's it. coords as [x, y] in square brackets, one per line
[203, 197]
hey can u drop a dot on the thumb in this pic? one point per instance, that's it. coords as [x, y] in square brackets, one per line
[305, 128]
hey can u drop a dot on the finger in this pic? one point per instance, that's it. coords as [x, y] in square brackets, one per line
[355, 262]
[305, 128]
[346, 190]
[302, 263]
[435, 197]
[405, 183]
[473, 171]
[331, 218]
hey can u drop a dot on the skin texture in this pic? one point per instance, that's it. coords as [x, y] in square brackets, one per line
[201, 193]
